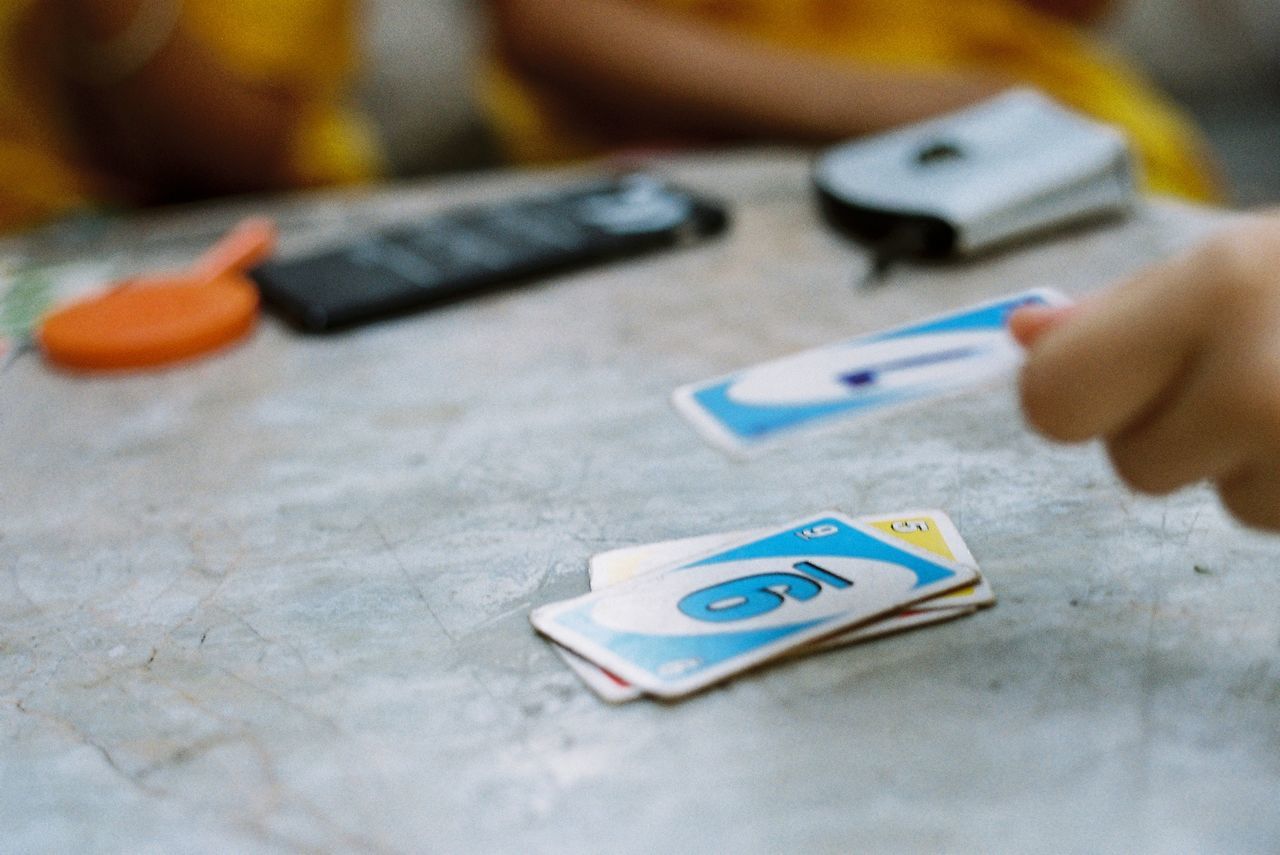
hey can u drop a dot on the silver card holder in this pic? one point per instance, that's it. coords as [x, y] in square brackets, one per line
[1001, 171]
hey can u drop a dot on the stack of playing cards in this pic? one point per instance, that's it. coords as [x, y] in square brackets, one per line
[672, 618]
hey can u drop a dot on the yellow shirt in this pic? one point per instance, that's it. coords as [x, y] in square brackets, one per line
[996, 37]
[306, 45]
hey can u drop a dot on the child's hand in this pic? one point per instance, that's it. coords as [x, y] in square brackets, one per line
[1177, 371]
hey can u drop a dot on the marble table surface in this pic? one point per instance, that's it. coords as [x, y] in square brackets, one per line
[277, 600]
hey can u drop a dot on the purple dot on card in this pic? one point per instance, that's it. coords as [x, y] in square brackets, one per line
[859, 378]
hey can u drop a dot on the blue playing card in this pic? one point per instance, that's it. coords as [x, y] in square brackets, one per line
[677, 630]
[755, 407]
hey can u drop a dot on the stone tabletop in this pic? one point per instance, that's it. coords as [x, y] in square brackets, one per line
[277, 600]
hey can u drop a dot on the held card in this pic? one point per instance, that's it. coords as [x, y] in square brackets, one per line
[758, 406]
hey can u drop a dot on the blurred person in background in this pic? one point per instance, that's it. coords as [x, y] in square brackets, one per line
[577, 78]
[123, 102]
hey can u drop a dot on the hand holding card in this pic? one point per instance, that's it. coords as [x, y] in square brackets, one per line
[762, 405]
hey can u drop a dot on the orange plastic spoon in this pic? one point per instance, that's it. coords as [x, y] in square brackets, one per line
[154, 320]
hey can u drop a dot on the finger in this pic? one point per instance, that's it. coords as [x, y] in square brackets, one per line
[1198, 432]
[1099, 369]
[1029, 323]
[1252, 495]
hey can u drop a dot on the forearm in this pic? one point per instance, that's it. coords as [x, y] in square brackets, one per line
[1076, 11]
[617, 57]
[175, 118]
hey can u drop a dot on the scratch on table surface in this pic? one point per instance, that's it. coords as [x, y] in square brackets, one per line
[589, 545]
[49, 674]
[191, 751]
[82, 737]
[200, 567]
[277, 796]
[22, 592]
[962, 499]
[1050, 680]
[1253, 682]
[41, 612]
[1191, 527]
[323, 818]
[267, 642]
[310, 714]
[522, 608]
[200, 705]
[524, 724]
[207, 597]
[544, 579]
[404, 572]
[541, 773]
[177, 577]
[61, 634]
[1148, 685]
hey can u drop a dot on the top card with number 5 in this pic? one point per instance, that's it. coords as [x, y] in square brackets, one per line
[758, 406]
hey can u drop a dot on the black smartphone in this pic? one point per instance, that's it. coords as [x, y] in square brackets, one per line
[479, 249]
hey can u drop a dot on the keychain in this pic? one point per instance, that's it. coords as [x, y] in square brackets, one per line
[149, 321]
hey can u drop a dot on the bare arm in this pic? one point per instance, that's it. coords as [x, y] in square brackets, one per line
[1077, 11]
[634, 66]
[181, 123]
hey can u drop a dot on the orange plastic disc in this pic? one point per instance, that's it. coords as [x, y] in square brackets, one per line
[149, 322]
